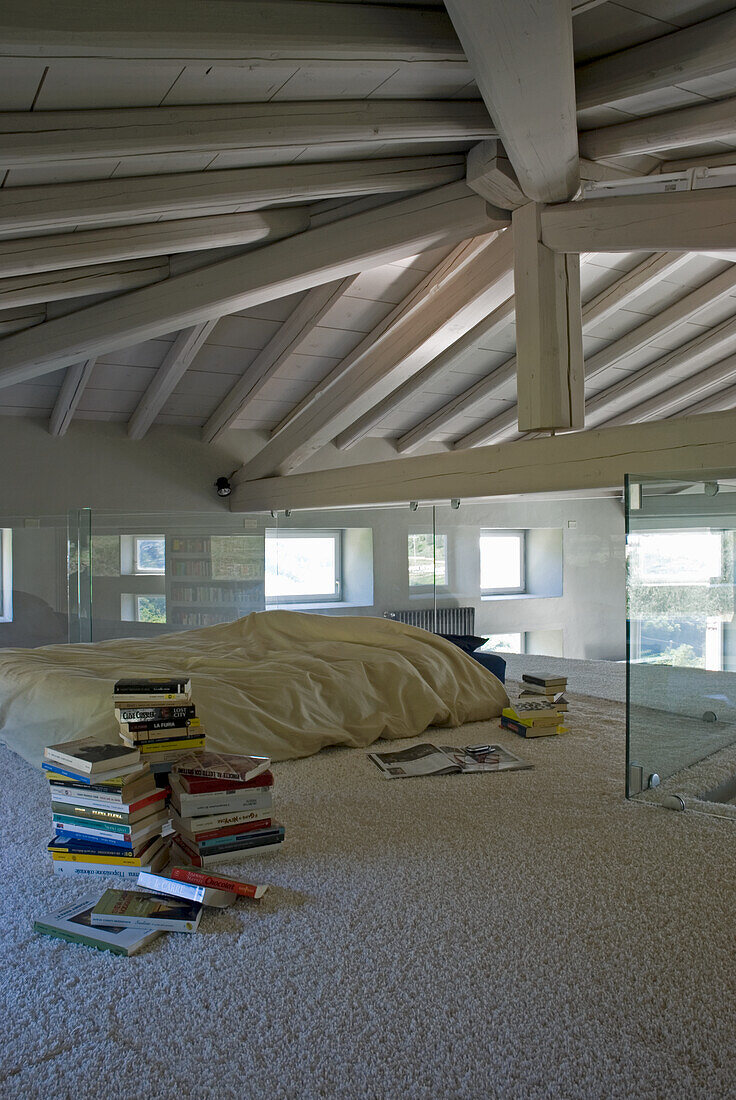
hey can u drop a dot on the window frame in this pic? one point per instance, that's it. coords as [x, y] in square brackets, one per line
[129, 554]
[130, 611]
[6, 574]
[420, 589]
[496, 532]
[336, 534]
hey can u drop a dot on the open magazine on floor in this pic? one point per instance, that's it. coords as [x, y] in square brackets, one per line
[445, 760]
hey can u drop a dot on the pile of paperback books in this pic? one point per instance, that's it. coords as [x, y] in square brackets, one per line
[108, 815]
[157, 717]
[222, 808]
[541, 709]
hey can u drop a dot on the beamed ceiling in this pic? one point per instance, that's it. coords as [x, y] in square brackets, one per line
[235, 215]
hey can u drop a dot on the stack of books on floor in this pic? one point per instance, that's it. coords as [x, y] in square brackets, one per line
[124, 921]
[541, 709]
[222, 808]
[108, 814]
[157, 717]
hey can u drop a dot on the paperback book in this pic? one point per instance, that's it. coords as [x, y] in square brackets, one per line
[219, 882]
[88, 757]
[216, 765]
[427, 759]
[74, 923]
[132, 909]
[203, 895]
[185, 853]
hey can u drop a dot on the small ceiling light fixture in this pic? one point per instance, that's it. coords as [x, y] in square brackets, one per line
[223, 487]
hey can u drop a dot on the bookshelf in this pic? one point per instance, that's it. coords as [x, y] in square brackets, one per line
[213, 578]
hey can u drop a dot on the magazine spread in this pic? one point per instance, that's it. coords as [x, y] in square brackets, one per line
[429, 759]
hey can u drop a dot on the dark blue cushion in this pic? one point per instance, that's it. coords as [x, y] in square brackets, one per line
[469, 644]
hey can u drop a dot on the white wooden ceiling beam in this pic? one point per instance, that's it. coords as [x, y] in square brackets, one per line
[344, 247]
[698, 125]
[15, 320]
[27, 255]
[549, 335]
[716, 402]
[238, 31]
[651, 329]
[489, 172]
[692, 221]
[680, 396]
[76, 282]
[704, 49]
[176, 362]
[522, 59]
[450, 300]
[575, 460]
[24, 210]
[445, 361]
[668, 369]
[284, 343]
[70, 394]
[635, 282]
[31, 138]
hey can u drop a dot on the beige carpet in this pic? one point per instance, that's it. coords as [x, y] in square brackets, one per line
[528, 935]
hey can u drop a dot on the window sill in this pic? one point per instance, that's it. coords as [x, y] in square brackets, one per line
[276, 606]
[522, 596]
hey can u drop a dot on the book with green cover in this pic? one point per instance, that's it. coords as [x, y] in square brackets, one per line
[73, 923]
[131, 909]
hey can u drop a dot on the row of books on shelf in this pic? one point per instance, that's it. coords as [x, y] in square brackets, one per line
[214, 593]
[209, 618]
[542, 707]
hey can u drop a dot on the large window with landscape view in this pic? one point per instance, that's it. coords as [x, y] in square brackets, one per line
[303, 566]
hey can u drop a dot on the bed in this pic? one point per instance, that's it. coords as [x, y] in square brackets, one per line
[281, 683]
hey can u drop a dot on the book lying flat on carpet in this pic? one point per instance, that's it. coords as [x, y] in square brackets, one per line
[445, 760]
[132, 909]
[219, 882]
[73, 923]
[88, 757]
[203, 895]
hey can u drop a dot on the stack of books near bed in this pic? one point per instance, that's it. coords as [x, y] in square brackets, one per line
[108, 815]
[541, 709]
[222, 808]
[157, 717]
[546, 689]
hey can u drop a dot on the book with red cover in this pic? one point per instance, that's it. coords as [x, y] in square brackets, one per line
[220, 765]
[218, 882]
[198, 785]
[226, 830]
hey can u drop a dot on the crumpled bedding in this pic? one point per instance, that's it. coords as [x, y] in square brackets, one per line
[283, 684]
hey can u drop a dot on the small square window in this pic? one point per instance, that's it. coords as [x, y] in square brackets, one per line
[142, 608]
[502, 562]
[504, 643]
[149, 554]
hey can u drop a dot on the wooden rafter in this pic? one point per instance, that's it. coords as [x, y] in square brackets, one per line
[70, 394]
[25, 210]
[450, 300]
[176, 362]
[321, 255]
[31, 138]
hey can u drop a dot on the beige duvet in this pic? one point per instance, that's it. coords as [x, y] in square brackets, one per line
[280, 683]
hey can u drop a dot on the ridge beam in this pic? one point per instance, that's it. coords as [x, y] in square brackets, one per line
[522, 59]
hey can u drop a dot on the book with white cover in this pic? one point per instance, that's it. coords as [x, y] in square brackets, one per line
[205, 895]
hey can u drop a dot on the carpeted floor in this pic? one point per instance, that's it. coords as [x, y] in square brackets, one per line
[528, 935]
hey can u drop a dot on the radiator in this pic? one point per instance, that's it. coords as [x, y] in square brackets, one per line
[450, 620]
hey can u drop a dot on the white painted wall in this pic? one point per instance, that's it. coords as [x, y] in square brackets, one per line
[96, 465]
